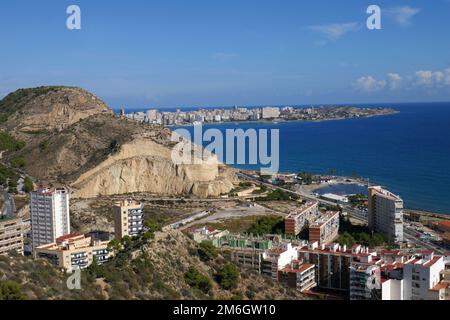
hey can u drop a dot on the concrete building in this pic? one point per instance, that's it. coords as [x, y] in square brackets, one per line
[420, 274]
[248, 258]
[441, 291]
[276, 259]
[332, 263]
[11, 235]
[303, 216]
[217, 237]
[49, 213]
[386, 213]
[365, 281]
[325, 229]
[71, 252]
[270, 113]
[128, 218]
[298, 275]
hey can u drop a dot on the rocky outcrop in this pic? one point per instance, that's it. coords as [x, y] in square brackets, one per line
[73, 138]
[52, 108]
[145, 166]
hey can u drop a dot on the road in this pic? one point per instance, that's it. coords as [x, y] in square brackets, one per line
[351, 212]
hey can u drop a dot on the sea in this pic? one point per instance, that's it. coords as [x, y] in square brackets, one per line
[407, 152]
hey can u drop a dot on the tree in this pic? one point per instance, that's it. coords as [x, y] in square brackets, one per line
[267, 225]
[18, 162]
[197, 280]
[114, 245]
[28, 185]
[11, 290]
[228, 277]
[207, 251]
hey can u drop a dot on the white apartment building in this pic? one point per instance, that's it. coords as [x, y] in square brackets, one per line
[49, 212]
[386, 213]
[421, 274]
[270, 113]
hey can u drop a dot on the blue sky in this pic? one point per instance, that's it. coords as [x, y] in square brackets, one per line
[142, 53]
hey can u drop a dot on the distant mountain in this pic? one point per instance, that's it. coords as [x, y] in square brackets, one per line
[71, 137]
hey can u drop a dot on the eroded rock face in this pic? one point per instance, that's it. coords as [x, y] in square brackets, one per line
[145, 166]
[73, 138]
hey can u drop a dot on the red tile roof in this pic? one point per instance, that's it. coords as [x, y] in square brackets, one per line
[68, 236]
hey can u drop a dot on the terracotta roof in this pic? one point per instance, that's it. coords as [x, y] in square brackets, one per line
[68, 236]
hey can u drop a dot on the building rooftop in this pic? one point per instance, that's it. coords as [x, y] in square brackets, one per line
[385, 193]
[302, 209]
[324, 219]
[301, 268]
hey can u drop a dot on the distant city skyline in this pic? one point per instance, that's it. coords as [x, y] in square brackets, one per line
[143, 54]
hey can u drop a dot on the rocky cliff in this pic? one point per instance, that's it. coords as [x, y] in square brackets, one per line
[73, 138]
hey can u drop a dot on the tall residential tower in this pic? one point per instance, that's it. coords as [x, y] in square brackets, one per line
[386, 213]
[128, 218]
[49, 211]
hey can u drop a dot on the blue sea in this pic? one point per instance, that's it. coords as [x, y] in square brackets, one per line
[408, 152]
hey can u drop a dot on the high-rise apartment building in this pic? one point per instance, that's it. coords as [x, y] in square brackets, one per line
[386, 213]
[49, 212]
[298, 219]
[128, 218]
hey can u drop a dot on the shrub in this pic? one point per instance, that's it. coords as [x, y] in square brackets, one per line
[28, 185]
[207, 251]
[18, 162]
[228, 277]
[197, 280]
[267, 225]
[10, 290]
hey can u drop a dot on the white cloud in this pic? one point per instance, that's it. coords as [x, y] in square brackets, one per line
[402, 15]
[432, 79]
[425, 79]
[369, 84]
[394, 81]
[447, 77]
[334, 31]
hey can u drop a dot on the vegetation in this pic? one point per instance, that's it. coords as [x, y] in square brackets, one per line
[197, 280]
[307, 178]
[28, 185]
[351, 234]
[11, 290]
[228, 277]
[268, 225]
[8, 143]
[18, 162]
[276, 195]
[207, 251]
[7, 175]
[357, 199]
[15, 101]
[262, 189]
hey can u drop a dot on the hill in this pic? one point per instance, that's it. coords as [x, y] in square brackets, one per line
[71, 137]
[171, 266]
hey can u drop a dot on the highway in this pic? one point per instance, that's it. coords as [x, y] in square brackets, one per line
[355, 214]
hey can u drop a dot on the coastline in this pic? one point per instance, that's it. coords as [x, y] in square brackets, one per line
[276, 121]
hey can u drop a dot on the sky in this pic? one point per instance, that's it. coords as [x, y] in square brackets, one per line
[196, 53]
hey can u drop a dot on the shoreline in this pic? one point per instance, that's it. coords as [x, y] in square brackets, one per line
[343, 180]
[276, 121]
